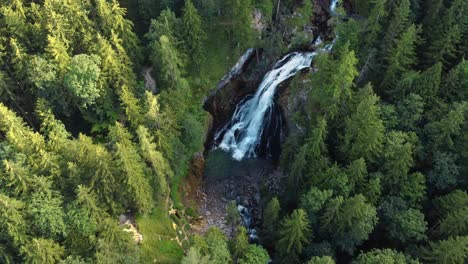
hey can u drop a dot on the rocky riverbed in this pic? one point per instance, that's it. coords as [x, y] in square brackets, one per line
[228, 180]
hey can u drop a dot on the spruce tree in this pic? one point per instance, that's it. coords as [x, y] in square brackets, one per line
[364, 128]
[348, 222]
[132, 167]
[451, 250]
[42, 251]
[294, 233]
[193, 33]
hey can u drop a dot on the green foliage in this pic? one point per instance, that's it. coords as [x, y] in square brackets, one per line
[240, 243]
[407, 226]
[401, 56]
[332, 84]
[131, 165]
[255, 254]
[321, 260]
[47, 216]
[313, 201]
[81, 79]
[217, 247]
[237, 15]
[294, 233]
[348, 222]
[364, 129]
[232, 214]
[384, 256]
[195, 257]
[193, 32]
[42, 251]
[271, 216]
[452, 211]
[452, 250]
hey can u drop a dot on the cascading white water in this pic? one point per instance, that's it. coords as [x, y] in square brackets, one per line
[246, 126]
[243, 133]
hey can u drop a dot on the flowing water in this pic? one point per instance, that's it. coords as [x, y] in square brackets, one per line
[243, 133]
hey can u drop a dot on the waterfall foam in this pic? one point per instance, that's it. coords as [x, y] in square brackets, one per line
[243, 133]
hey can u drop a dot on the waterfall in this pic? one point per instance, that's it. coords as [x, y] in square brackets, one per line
[243, 133]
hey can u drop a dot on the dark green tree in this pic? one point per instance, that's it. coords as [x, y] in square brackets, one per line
[193, 33]
[364, 129]
[348, 222]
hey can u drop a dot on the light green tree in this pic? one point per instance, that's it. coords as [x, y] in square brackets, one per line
[294, 233]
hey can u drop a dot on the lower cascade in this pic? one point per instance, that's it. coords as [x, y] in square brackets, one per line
[242, 134]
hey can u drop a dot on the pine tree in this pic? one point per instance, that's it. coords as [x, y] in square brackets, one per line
[12, 222]
[357, 174]
[131, 105]
[171, 65]
[348, 222]
[455, 84]
[321, 260]
[294, 233]
[332, 84]
[195, 257]
[452, 250]
[364, 128]
[81, 79]
[47, 215]
[408, 226]
[443, 132]
[400, 57]
[384, 256]
[132, 166]
[42, 251]
[271, 220]
[237, 15]
[410, 111]
[313, 201]
[452, 210]
[193, 32]
[374, 22]
[239, 243]
[445, 172]
[445, 32]
[398, 159]
[399, 22]
[255, 254]
[428, 83]
[158, 163]
[217, 246]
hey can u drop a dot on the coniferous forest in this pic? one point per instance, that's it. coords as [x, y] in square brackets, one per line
[106, 106]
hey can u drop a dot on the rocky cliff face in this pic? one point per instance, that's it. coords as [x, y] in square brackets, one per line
[242, 80]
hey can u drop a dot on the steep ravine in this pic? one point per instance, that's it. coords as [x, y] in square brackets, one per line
[247, 177]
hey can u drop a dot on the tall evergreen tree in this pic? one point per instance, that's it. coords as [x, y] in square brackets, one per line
[294, 233]
[364, 129]
[348, 222]
[131, 165]
[193, 32]
[452, 250]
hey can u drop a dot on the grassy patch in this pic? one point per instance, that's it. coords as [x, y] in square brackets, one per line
[157, 233]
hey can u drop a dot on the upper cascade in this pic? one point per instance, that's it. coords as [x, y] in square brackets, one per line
[243, 133]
